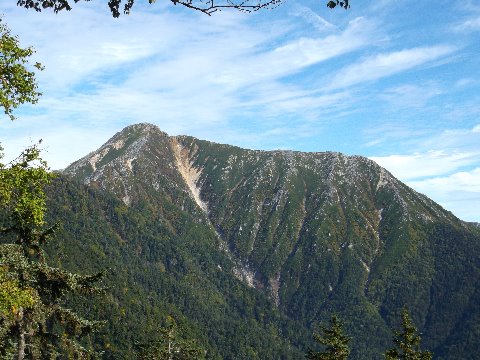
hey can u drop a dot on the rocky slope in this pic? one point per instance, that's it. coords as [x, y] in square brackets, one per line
[313, 232]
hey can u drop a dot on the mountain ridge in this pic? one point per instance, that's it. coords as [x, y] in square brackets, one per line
[182, 154]
[184, 157]
[315, 232]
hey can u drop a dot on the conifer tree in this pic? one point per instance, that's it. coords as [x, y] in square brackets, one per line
[407, 342]
[34, 320]
[334, 341]
[170, 345]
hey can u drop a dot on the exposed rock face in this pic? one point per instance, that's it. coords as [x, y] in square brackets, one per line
[314, 231]
[190, 174]
[266, 206]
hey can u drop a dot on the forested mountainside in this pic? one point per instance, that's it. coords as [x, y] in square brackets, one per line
[250, 250]
[160, 261]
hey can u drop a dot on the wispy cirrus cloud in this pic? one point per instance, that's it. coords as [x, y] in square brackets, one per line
[458, 192]
[95, 44]
[437, 154]
[184, 72]
[313, 18]
[382, 65]
[202, 68]
[464, 82]
[463, 139]
[462, 181]
[293, 56]
[469, 25]
[428, 164]
[411, 96]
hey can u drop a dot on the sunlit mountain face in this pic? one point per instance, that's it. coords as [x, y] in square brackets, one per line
[252, 250]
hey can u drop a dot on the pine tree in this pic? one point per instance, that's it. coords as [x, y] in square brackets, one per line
[34, 320]
[407, 342]
[170, 345]
[334, 340]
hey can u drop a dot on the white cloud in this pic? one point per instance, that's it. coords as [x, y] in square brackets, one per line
[87, 46]
[458, 192]
[184, 73]
[293, 56]
[463, 140]
[313, 18]
[464, 181]
[472, 24]
[410, 96]
[83, 43]
[383, 65]
[431, 163]
[464, 82]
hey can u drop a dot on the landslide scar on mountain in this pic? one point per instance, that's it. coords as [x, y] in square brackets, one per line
[189, 173]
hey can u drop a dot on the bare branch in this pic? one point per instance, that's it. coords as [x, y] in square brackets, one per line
[205, 6]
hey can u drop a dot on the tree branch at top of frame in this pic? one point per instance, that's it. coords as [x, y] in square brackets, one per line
[205, 6]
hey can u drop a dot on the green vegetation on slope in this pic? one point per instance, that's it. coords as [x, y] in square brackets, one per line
[310, 233]
[155, 271]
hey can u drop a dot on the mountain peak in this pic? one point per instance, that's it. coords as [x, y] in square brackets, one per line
[145, 128]
[142, 151]
[118, 154]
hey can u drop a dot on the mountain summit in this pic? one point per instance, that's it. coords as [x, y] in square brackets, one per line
[315, 233]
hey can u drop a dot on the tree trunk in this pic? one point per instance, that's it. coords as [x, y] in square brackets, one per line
[21, 337]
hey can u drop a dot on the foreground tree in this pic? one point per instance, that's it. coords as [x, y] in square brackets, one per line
[170, 345]
[12, 298]
[407, 342]
[206, 6]
[334, 341]
[17, 77]
[35, 322]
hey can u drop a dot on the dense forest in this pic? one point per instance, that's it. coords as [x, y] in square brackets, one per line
[164, 257]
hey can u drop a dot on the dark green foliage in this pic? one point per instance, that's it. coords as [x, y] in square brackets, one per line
[34, 321]
[179, 272]
[169, 345]
[407, 342]
[334, 341]
[343, 4]
[314, 234]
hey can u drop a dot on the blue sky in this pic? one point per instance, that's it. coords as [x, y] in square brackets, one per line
[396, 81]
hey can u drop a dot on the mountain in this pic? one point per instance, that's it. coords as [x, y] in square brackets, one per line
[475, 224]
[253, 249]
